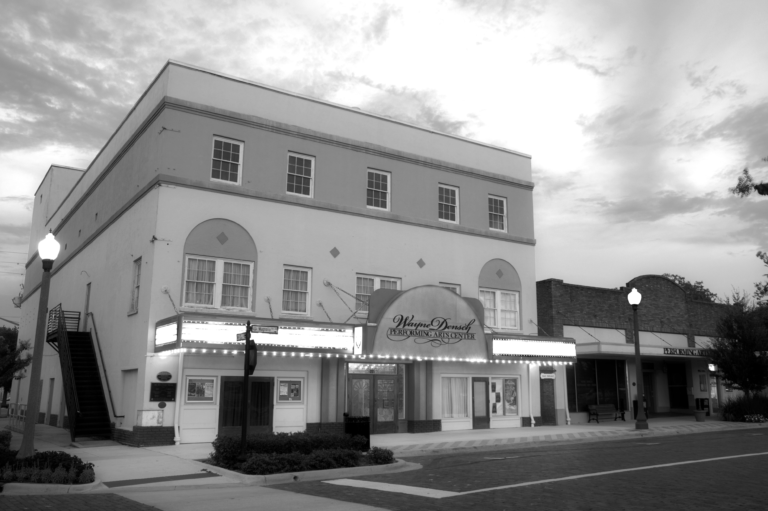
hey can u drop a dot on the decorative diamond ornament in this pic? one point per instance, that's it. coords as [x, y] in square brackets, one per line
[499, 273]
[421, 263]
[335, 252]
[222, 238]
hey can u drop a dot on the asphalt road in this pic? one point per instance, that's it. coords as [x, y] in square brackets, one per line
[592, 480]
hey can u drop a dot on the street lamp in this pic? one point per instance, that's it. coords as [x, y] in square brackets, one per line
[641, 421]
[47, 249]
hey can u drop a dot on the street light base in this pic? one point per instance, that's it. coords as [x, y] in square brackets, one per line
[641, 425]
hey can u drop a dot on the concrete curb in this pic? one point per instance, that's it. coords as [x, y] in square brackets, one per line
[613, 436]
[50, 489]
[312, 475]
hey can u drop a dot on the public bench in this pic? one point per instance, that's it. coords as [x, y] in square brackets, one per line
[597, 411]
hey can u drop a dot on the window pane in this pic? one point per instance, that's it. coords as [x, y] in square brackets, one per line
[295, 286]
[236, 286]
[363, 292]
[388, 284]
[226, 158]
[454, 398]
[488, 298]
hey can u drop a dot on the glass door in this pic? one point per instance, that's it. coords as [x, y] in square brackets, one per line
[374, 396]
[260, 406]
[481, 419]
[385, 420]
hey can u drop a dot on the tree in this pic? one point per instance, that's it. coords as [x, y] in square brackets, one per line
[12, 358]
[745, 185]
[695, 290]
[740, 349]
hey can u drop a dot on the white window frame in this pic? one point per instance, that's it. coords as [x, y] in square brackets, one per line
[135, 286]
[468, 399]
[449, 187]
[376, 285]
[456, 288]
[503, 216]
[497, 309]
[240, 171]
[218, 283]
[311, 178]
[388, 175]
[309, 291]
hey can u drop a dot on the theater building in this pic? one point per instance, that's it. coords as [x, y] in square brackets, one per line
[675, 332]
[388, 271]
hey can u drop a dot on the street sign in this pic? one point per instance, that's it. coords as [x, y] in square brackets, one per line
[259, 329]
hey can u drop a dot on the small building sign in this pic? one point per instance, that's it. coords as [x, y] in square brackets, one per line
[547, 376]
[687, 352]
[162, 391]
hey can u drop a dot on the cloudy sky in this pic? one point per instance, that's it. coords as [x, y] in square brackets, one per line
[639, 115]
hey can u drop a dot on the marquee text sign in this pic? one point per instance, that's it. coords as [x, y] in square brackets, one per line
[688, 352]
[430, 321]
[437, 332]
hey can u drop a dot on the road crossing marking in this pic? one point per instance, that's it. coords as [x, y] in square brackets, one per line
[442, 494]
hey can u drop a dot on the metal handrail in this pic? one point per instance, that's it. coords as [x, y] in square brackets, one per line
[73, 405]
[104, 367]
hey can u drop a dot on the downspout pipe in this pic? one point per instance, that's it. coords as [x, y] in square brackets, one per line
[177, 411]
[530, 401]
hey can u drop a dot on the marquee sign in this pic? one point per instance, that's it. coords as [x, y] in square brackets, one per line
[687, 352]
[429, 321]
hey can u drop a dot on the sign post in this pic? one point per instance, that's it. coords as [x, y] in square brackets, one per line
[246, 374]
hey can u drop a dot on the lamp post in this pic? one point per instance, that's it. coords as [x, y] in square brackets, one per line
[47, 249]
[641, 421]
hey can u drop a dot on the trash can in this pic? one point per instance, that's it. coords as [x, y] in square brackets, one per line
[702, 404]
[358, 426]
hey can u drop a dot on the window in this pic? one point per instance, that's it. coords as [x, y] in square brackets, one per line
[378, 190]
[218, 283]
[504, 396]
[455, 398]
[448, 203]
[456, 288]
[296, 290]
[226, 160]
[300, 174]
[135, 286]
[497, 213]
[365, 286]
[501, 308]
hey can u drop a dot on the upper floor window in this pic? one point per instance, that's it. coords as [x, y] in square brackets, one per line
[135, 286]
[378, 190]
[501, 308]
[456, 288]
[218, 283]
[448, 203]
[367, 284]
[300, 174]
[296, 290]
[227, 160]
[497, 213]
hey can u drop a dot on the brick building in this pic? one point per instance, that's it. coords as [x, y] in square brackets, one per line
[674, 335]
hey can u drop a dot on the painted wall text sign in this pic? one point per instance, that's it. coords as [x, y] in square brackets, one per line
[437, 332]
[690, 352]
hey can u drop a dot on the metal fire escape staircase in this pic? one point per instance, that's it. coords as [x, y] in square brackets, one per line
[83, 390]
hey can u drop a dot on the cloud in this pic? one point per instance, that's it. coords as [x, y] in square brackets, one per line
[652, 208]
[745, 126]
[24, 201]
[706, 80]
[377, 30]
[548, 184]
[14, 235]
[598, 65]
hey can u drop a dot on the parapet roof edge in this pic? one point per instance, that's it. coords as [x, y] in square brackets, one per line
[51, 167]
[342, 107]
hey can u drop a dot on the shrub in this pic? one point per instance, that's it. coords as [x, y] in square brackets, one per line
[87, 476]
[739, 408]
[379, 456]
[5, 440]
[8, 474]
[59, 475]
[331, 458]
[7, 457]
[226, 450]
[45, 475]
[264, 464]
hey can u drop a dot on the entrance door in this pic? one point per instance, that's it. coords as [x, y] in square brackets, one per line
[481, 419]
[375, 393]
[548, 414]
[260, 406]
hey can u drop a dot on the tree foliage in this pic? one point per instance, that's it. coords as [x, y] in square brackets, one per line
[12, 357]
[761, 288]
[694, 290]
[746, 185]
[740, 349]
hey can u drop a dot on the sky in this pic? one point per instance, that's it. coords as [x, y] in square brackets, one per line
[638, 115]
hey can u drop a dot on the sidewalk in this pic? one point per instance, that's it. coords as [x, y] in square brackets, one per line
[123, 468]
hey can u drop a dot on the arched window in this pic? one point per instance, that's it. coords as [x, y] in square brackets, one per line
[499, 291]
[219, 266]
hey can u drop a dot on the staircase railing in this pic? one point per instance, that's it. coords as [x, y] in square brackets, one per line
[71, 321]
[104, 367]
[67, 373]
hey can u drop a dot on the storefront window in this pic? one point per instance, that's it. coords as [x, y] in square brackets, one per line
[455, 398]
[594, 382]
[504, 396]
